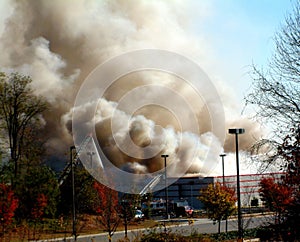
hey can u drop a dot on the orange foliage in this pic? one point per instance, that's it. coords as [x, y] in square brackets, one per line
[107, 208]
[219, 201]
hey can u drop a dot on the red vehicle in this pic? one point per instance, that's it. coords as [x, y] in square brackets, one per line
[189, 211]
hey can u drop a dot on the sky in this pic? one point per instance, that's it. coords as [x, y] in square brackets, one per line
[231, 35]
[240, 34]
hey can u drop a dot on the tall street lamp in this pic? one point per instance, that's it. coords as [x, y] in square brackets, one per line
[223, 175]
[91, 154]
[166, 188]
[237, 132]
[73, 192]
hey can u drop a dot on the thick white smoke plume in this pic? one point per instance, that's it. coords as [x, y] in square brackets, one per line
[58, 43]
[187, 151]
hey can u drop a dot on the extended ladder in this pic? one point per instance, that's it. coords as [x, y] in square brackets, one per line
[66, 171]
[149, 187]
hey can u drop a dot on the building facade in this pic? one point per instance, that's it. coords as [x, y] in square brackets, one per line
[188, 188]
[249, 185]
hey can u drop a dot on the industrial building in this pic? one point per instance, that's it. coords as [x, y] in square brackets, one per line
[189, 186]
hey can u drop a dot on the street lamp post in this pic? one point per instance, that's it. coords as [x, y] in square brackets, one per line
[223, 175]
[91, 157]
[166, 188]
[73, 192]
[237, 132]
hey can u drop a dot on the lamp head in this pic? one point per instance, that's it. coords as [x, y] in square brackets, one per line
[236, 131]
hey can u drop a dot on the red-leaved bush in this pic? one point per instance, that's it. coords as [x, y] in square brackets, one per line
[8, 205]
[38, 210]
[276, 196]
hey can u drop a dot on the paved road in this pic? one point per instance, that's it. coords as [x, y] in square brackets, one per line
[199, 226]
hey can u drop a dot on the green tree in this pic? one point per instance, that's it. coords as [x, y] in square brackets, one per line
[37, 180]
[219, 201]
[129, 204]
[86, 196]
[19, 108]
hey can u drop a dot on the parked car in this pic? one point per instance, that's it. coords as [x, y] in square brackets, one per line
[189, 211]
[139, 215]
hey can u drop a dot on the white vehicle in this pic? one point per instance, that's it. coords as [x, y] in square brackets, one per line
[139, 215]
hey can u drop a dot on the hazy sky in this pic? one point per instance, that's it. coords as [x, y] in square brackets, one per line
[234, 33]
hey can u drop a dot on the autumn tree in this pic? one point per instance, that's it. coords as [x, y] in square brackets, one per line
[38, 211]
[39, 207]
[8, 205]
[37, 180]
[276, 196]
[289, 152]
[86, 196]
[219, 201]
[107, 209]
[276, 99]
[19, 108]
[128, 206]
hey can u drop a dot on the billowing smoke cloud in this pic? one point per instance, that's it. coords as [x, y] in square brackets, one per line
[58, 43]
[188, 152]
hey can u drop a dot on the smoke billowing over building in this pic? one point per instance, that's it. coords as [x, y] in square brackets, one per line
[59, 43]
